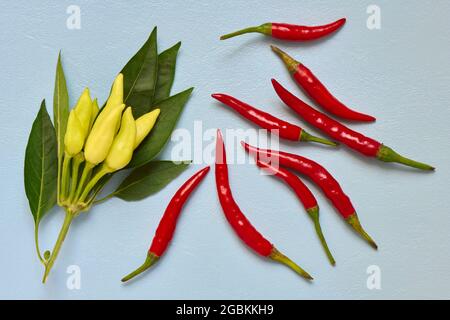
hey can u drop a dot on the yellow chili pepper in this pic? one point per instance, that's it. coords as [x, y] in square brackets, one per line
[83, 110]
[94, 111]
[74, 137]
[78, 124]
[123, 146]
[102, 135]
[116, 95]
[115, 99]
[99, 142]
[144, 125]
[120, 153]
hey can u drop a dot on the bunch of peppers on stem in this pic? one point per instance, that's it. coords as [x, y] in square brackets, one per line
[97, 143]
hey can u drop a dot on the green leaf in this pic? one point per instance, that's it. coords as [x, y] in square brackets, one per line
[140, 74]
[60, 111]
[170, 112]
[149, 179]
[41, 165]
[166, 72]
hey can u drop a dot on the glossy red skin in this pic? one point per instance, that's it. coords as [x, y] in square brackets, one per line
[168, 223]
[293, 32]
[244, 229]
[318, 174]
[355, 140]
[301, 190]
[263, 119]
[319, 93]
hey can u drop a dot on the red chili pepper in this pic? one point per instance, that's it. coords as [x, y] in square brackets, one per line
[317, 91]
[355, 140]
[321, 177]
[243, 228]
[167, 225]
[277, 126]
[290, 32]
[305, 196]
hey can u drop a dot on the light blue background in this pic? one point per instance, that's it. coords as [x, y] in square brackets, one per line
[401, 74]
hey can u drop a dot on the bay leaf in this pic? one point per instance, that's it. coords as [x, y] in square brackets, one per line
[171, 109]
[60, 111]
[140, 75]
[148, 179]
[41, 165]
[167, 61]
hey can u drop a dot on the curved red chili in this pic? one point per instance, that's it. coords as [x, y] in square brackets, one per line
[317, 91]
[290, 32]
[355, 140]
[167, 225]
[243, 228]
[321, 177]
[305, 196]
[265, 120]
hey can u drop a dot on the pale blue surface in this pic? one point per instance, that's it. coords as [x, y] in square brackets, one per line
[401, 74]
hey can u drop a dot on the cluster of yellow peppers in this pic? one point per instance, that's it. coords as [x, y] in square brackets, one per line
[103, 140]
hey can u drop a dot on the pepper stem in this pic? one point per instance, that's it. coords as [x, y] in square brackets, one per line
[36, 241]
[100, 174]
[305, 136]
[281, 258]
[314, 214]
[62, 235]
[386, 154]
[291, 63]
[265, 28]
[149, 261]
[356, 225]
[84, 176]
[64, 177]
[77, 160]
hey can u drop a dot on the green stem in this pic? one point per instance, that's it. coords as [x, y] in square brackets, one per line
[78, 159]
[64, 177]
[36, 241]
[84, 176]
[62, 235]
[305, 136]
[356, 225]
[149, 261]
[58, 180]
[265, 28]
[96, 190]
[281, 258]
[100, 174]
[386, 154]
[109, 196]
[314, 214]
[290, 63]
